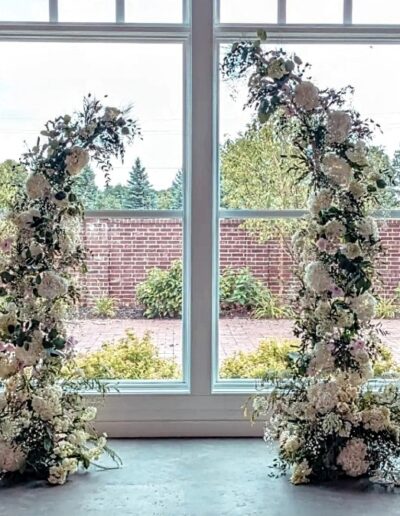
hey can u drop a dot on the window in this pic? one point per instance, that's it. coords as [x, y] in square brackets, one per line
[206, 221]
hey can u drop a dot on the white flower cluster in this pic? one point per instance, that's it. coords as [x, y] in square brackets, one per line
[52, 285]
[353, 458]
[317, 278]
[76, 160]
[338, 126]
[306, 96]
[337, 169]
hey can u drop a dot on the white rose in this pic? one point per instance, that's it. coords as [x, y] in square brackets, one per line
[306, 96]
[338, 126]
[52, 286]
[364, 306]
[37, 186]
[319, 201]
[337, 169]
[76, 159]
[334, 229]
[317, 278]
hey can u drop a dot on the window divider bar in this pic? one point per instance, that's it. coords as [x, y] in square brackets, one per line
[120, 11]
[53, 11]
[347, 12]
[282, 12]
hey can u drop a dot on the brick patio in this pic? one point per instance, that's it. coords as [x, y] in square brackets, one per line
[236, 334]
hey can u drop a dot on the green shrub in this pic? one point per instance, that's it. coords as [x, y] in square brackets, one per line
[386, 308]
[130, 358]
[105, 307]
[273, 355]
[161, 293]
[270, 355]
[239, 290]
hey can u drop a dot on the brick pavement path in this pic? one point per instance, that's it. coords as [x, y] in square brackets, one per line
[235, 334]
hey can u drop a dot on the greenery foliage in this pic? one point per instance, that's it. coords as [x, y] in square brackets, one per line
[240, 292]
[105, 307]
[45, 429]
[139, 193]
[130, 358]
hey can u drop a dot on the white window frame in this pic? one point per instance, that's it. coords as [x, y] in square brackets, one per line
[200, 405]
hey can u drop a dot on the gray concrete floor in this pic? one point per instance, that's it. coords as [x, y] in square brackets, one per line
[195, 477]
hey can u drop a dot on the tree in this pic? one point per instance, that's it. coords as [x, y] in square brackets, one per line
[12, 179]
[112, 198]
[86, 189]
[140, 194]
[259, 170]
[176, 192]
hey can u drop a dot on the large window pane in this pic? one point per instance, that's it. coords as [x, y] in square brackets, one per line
[28, 10]
[314, 11]
[251, 158]
[251, 11]
[153, 11]
[86, 11]
[256, 285]
[26, 105]
[120, 327]
[376, 11]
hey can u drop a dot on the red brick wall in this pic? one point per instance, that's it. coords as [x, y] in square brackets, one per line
[122, 251]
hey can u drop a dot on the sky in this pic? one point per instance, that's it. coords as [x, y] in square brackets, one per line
[39, 81]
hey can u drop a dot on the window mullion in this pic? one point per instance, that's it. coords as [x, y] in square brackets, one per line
[202, 196]
[120, 11]
[281, 12]
[348, 12]
[53, 11]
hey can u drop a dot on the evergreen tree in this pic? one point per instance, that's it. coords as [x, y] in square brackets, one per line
[140, 194]
[176, 192]
[86, 189]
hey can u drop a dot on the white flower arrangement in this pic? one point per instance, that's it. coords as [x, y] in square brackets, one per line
[46, 427]
[345, 428]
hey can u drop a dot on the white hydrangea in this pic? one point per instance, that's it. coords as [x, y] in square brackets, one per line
[319, 201]
[76, 159]
[352, 250]
[358, 154]
[338, 126]
[52, 285]
[292, 444]
[322, 360]
[357, 189]
[353, 458]
[46, 407]
[306, 96]
[317, 278]
[334, 229]
[38, 186]
[337, 169]
[12, 457]
[364, 306]
[376, 419]
[324, 396]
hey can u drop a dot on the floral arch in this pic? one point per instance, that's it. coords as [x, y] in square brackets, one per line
[329, 421]
[45, 429]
